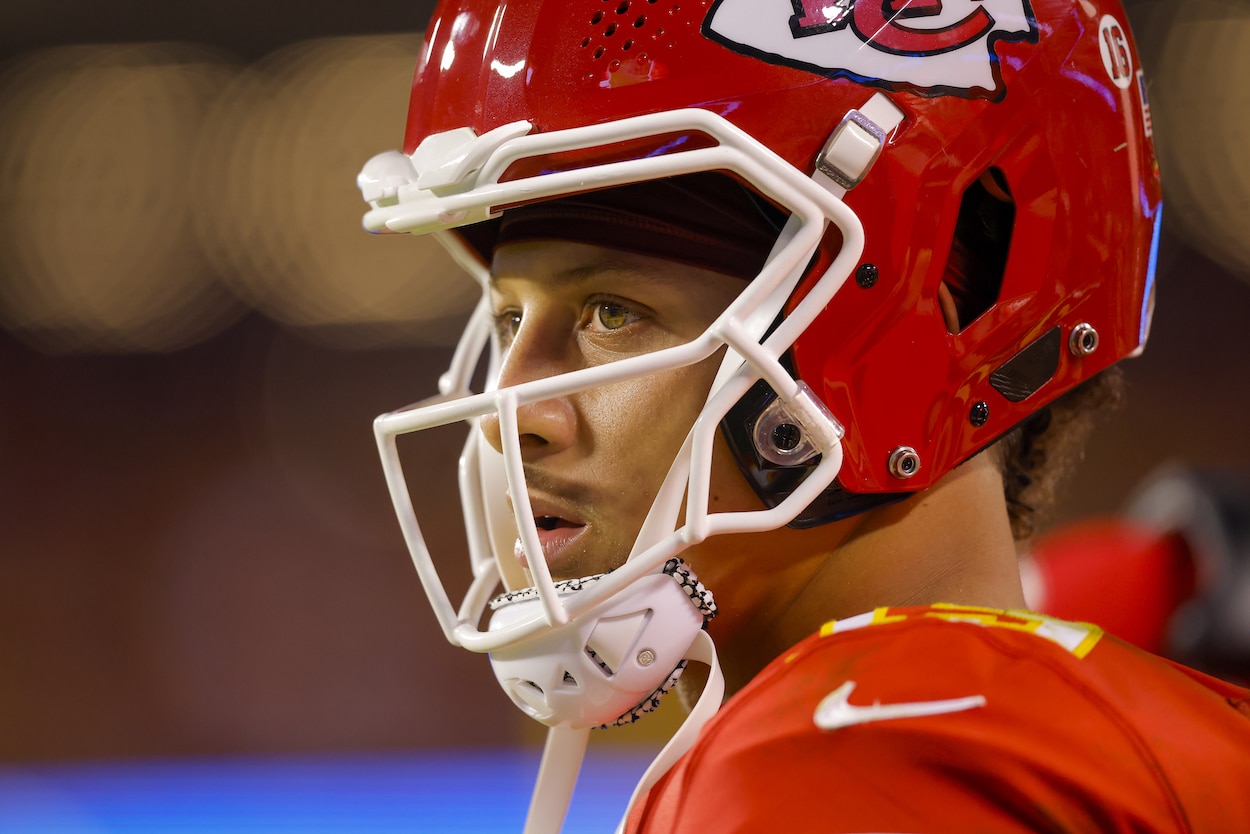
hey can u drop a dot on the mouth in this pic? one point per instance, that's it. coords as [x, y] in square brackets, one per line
[551, 522]
[556, 536]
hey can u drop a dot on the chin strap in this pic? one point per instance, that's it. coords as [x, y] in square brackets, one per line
[566, 747]
[557, 776]
[702, 650]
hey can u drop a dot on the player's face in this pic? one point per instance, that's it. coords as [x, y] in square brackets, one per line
[595, 460]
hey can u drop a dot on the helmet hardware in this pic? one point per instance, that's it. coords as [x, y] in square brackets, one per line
[1084, 339]
[857, 141]
[980, 414]
[779, 434]
[866, 275]
[786, 436]
[904, 462]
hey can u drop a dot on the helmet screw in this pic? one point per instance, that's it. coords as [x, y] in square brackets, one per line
[786, 436]
[866, 275]
[980, 414]
[646, 657]
[1084, 339]
[904, 462]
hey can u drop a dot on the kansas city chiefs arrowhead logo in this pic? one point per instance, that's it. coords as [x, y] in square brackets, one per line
[932, 47]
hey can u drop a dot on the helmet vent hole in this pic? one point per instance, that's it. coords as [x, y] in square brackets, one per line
[634, 49]
[977, 261]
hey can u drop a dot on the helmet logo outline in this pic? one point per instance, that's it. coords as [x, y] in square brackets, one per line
[930, 47]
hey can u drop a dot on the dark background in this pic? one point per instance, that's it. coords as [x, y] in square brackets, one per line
[197, 553]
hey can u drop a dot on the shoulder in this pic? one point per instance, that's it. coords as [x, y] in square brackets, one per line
[998, 720]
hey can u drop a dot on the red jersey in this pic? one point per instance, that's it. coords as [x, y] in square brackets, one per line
[956, 719]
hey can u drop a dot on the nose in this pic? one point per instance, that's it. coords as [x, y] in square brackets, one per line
[547, 426]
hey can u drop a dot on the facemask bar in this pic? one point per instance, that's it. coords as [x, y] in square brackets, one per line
[740, 327]
[486, 517]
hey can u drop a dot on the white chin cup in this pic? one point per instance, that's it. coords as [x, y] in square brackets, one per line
[600, 665]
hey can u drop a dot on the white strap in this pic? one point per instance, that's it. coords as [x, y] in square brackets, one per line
[557, 776]
[702, 650]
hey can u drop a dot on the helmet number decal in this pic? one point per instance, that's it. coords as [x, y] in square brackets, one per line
[1114, 48]
[933, 47]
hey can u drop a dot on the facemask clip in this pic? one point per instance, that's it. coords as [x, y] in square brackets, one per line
[786, 434]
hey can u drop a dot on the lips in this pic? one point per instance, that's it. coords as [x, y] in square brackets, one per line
[557, 531]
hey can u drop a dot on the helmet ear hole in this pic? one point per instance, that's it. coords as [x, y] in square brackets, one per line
[978, 255]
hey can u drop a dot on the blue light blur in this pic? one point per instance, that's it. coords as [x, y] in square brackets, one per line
[431, 793]
[1148, 297]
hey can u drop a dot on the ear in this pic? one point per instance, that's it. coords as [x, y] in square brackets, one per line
[950, 313]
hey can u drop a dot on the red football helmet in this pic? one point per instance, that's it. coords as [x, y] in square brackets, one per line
[973, 209]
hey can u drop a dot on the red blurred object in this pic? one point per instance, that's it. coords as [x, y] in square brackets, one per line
[1171, 574]
[1119, 574]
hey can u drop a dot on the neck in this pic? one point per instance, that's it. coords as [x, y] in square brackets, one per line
[950, 543]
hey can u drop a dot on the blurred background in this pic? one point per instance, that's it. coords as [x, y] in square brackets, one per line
[197, 553]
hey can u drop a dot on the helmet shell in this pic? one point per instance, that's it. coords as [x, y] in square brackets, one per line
[1059, 113]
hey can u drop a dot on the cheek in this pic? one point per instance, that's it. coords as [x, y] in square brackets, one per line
[730, 490]
[635, 429]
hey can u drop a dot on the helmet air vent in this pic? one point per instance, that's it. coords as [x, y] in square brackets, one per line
[978, 257]
[530, 698]
[1029, 369]
[613, 639]
[631, 29]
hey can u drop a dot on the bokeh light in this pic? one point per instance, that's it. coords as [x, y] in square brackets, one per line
[280, 158]
[1198, 60]
[153, 193]
[97, 249]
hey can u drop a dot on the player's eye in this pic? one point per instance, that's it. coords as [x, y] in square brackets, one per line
[611, 315]
[507, 323]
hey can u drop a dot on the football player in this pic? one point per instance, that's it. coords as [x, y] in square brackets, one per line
[789, 313]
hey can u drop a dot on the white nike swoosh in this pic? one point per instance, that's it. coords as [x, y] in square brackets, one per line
[835, 710]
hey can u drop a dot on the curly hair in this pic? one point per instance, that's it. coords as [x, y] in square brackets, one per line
[1038, 455]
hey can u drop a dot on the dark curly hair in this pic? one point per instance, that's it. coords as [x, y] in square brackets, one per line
[1039, 454]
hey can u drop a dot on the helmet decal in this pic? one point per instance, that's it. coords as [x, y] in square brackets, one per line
[954, 40]
[1114, 48]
